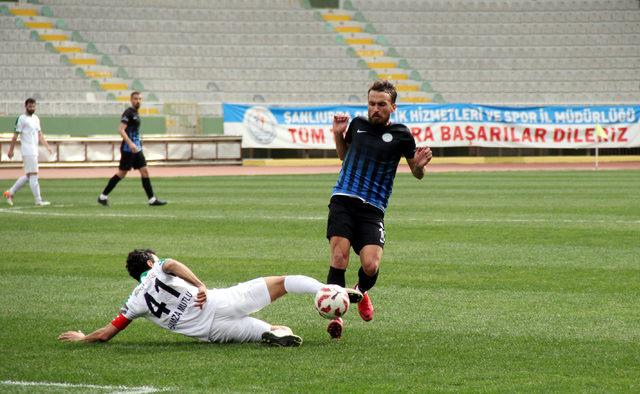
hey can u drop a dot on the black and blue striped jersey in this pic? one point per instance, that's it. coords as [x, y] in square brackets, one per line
[371, 160]
[132, 119]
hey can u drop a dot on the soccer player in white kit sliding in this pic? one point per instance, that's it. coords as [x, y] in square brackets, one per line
[171, 296]
[28, 128]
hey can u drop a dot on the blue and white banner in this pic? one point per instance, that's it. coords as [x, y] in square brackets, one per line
[445, 125]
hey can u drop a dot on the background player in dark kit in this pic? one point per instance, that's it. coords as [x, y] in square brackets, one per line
[131, 155]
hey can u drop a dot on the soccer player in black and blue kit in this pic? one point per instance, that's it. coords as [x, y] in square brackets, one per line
[131, 155]
[370, 150]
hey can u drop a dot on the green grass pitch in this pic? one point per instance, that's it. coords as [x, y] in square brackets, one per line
[500, 282]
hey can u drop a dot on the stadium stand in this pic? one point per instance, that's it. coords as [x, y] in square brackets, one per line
[91, 53]
[205, 52]
[516, 51]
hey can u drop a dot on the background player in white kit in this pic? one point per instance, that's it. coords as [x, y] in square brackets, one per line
[172, 296]
[28, 128]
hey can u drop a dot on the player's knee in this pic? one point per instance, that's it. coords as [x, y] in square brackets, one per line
[278, 281]
[275, 286]
[370, 267]
[339, 259]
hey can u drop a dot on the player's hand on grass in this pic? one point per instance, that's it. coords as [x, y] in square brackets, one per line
[71, 336]
[340, 123]
[201, 297]
[423, 156]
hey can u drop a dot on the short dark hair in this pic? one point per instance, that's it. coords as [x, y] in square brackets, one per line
[29, 101]
[382, 85]
[134, 93]
[137, 262]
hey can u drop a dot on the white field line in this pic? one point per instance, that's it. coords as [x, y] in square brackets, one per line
[111, 389]
[47, 212]
[525, 221]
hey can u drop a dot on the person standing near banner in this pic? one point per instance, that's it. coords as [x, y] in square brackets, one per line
[28, 128]
[370, 150]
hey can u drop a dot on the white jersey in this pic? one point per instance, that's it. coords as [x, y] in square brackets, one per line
[168, 301]
[29, 128]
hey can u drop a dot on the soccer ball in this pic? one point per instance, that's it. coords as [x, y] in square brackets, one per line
[332, 301]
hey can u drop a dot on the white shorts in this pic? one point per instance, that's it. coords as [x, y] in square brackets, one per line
[30, 164]
[233, 305]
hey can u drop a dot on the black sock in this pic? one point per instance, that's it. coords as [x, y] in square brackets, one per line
[336, 277]
[111, 184]
[366, 282]
[146, 183]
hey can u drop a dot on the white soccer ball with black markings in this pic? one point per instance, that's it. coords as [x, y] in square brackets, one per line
[332, 301]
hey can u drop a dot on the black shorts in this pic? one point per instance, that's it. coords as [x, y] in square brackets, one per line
[130, 160]
[361, 223]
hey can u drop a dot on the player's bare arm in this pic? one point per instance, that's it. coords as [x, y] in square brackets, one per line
[100, 335]
[12, 145]
[340, 123]
[180, 270]
[123, 133]
[44, 142]
[421, 158]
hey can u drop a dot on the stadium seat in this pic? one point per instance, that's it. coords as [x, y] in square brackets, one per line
[475, 49]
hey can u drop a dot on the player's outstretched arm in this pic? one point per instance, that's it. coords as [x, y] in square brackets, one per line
[100, 335]
[183, 272]
[421, 158]
[340, 123]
